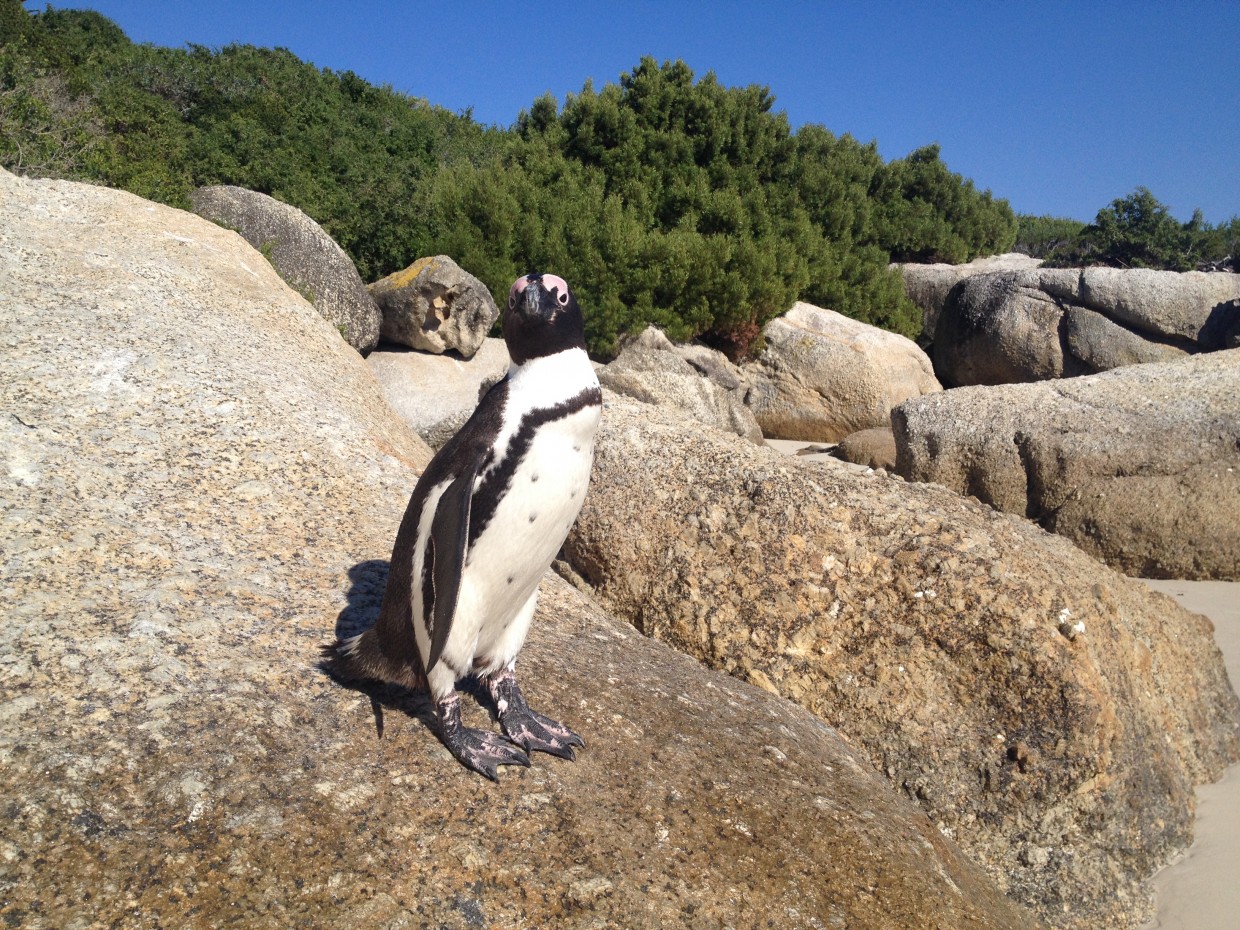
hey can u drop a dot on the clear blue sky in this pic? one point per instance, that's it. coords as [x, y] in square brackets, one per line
[1059, 107]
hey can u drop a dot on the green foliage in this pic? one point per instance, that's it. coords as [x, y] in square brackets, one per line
[679, 203]
[926, 213]
[1040, 236]
[46, 128]
[14, 21]
[1138, 231]
[665, 199]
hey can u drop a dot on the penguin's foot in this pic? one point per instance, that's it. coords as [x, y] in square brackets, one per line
[523, 726]
[479, 750]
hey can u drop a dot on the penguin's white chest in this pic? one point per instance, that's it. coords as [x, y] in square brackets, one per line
[546, 493]
[510, 556]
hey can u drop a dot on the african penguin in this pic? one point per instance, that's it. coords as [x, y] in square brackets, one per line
[484, 523]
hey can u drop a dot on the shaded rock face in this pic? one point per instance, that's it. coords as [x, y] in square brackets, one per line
[928, 285]
[304, 255]
[1139, 466]
[940, 637]
[187, 514]
[435, 394]
[823, 376]
[694, 380]
[436, 306]
[874, 448]
[1048, 323]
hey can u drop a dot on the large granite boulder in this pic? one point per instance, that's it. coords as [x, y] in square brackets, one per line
[435, 394]
[436, 306]
[928, 285]
[823, 375]
[1047, 713]
[304, 255]
[187, 514]
[1139, 466]
[1002, 328]
[698, 382]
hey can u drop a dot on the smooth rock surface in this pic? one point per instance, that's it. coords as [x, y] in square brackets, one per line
[873, 448]
[436, 306]
[302, 252]
[188, 512]
[1033, 325]
[694, 380]
[435, 394]
[823, 376]
[1049, 714]
[1139, 466]
[928, 285]
[1194, 305]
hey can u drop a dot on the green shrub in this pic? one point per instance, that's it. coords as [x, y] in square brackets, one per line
[665, 199]
[1040, 236]
[1138, 231]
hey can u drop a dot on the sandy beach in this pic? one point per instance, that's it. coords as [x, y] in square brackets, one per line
[1200, 890]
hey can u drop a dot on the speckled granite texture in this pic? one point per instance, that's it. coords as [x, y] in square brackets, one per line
[200, 482]
[940, 637]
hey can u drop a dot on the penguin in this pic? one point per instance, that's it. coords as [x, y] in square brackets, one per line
[483, 525]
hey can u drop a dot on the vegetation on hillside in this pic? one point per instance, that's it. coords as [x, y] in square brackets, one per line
[664, 198]
[1137, 231]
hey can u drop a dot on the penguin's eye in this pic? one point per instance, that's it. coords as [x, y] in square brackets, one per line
[517, 287]
[554, 281]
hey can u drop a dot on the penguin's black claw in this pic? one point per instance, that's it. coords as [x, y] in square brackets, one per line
[533, 731]
[478, 750]
[525, 727]
[484, 752]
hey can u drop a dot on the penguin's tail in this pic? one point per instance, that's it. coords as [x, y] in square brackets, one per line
[359, 658]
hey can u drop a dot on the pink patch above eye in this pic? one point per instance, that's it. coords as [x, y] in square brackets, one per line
[517, 287]
[548, 282]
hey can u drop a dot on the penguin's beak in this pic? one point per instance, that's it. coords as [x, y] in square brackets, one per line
[530, 304]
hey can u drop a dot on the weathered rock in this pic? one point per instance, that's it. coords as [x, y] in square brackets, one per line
[928, 285]
[1047, 323]
[436, 306]
[435, 394]
[304, 255]
[694, 380]
[1192, 305]
[940, 637]
[874, 448]
[1139, 466]
[183, 509]
[823, 376]
[1101, 345]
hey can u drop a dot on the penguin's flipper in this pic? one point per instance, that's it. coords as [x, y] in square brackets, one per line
[446, 552]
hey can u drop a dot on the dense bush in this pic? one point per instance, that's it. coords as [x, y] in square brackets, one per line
[1138, 231]
[666, 199]
[1040, 236]
[926, 213]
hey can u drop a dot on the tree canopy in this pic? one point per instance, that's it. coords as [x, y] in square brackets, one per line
[665, 198]
[1138, 231]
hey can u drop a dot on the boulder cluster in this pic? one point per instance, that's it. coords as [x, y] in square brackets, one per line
[433, 305]
[812, 696]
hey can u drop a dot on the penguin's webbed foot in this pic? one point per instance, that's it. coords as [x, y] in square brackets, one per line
[478, 750]
[525, 727]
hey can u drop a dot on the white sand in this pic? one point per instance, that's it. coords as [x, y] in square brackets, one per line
[1201, 891]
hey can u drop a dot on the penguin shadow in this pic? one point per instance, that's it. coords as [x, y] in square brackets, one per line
[368, 581]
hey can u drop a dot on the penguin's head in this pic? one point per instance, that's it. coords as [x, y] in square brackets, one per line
[542, 318]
